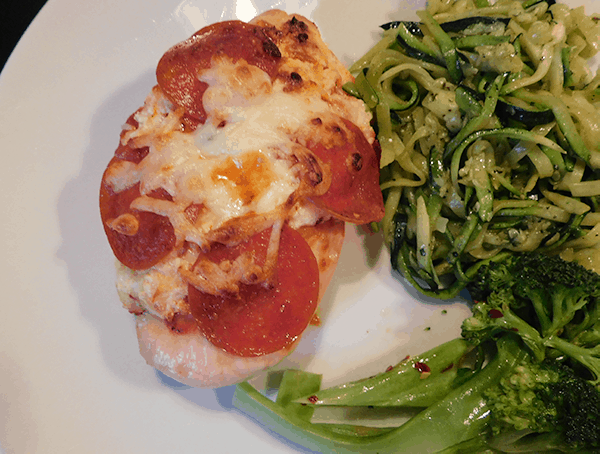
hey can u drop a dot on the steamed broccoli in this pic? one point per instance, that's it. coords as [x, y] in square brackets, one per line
[523, 377]
[554, 305]
[549, 287]
[544, 406]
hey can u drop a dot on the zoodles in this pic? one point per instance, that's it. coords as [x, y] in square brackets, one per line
[488, 118]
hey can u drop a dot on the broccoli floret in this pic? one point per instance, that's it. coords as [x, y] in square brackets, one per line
[548, 291]
[544, 406]
[578, 409]
[516, 403]
[557, 289]
[495, 316]
[554, 305]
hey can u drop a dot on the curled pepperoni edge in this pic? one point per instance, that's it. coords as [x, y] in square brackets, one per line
[354, 194]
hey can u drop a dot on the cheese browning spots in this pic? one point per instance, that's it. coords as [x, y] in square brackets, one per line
[230, 181]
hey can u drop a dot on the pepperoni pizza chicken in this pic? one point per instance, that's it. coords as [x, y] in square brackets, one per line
[226, 199]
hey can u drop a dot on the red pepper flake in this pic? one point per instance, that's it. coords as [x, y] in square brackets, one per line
[447, 368]
[313, 399]
[135, 310]
[514, 329]
[406, 358]
[495, 313]
[422, 367]
[389, 368]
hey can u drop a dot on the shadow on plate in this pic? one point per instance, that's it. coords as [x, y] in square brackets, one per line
[84, 248]
[90, 262]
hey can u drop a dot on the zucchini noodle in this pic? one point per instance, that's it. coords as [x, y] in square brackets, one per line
[488, 118]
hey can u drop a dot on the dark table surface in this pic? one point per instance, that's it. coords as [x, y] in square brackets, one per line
[14, 20]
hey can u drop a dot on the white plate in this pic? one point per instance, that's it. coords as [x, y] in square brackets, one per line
[71, 378]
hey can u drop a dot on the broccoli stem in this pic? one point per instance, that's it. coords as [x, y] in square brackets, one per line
[457, 420]
[540, 304]
[588, 357]
[403, 385]
[503, 320]
[292, 420]
[519, 441]
[564, 306]
[461, 416]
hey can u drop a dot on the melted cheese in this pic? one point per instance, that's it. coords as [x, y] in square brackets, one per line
[159, 290]
[255, 126]
[265, 124]
[237, 164]
[233, 165]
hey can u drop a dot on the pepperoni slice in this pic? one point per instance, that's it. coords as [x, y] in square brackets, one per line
[354, 194]
[149, 242]
[178, 70]
[261, 320]
[128, 152]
